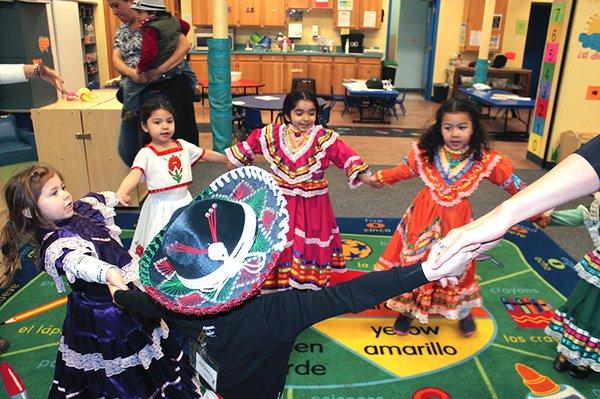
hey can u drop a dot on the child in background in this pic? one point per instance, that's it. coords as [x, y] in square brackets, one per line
[576, 324]
[103, 351]
[299, 152]
[160, 38]
[452, 157]
[166, 166]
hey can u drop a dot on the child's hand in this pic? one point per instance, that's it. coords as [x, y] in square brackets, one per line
[375, 183]
[114, 278]
[230, 166]
[543, 219]
[124, 199]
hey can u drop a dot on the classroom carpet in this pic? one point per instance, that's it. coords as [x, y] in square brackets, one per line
[358, 356]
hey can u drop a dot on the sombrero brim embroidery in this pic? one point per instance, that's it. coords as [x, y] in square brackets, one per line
[249, 185]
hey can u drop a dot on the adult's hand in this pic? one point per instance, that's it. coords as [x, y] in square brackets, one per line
[51, 76]
[152, 75]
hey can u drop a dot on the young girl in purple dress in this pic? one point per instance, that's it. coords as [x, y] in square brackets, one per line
[103, 351]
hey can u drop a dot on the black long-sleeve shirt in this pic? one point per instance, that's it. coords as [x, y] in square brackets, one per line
[591, 152]
[251, 344]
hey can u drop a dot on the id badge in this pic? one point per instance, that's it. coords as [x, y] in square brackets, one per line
[204, 365]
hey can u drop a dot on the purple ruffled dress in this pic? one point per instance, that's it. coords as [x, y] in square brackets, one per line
[104, 352]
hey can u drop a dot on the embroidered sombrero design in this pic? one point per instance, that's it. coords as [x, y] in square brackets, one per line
[215, 252]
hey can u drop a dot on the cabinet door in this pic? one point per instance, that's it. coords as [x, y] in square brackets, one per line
[299, 4]
[273, 13]
[295, 67]
[473, 21]
[369, 68]
[106, 168]
[250, 11]
[271, 73]
[61, 147]
[202, 13]
[369, 6]
[199, 64]
[320, 69]
[353, 16]
[233, 11]
[321, 4]
[343, 68]
[249, 65]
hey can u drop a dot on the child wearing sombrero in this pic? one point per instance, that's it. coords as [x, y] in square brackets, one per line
[203, 269]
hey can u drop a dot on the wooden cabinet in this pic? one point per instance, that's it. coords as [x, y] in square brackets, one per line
[343, 68]
[295, 67]
[353, 24]
[249, 65]
[199, 64]
[80, 139]
[271, 73]
[299, 4]
[273, 13]
[473, 21]
[202, 12]
[368, 68]
[320, 69]
[250, 12]
[370, 7]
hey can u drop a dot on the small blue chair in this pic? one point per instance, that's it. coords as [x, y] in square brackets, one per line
[335, 98]
[252, 120]
[324, 115]
[16, 145]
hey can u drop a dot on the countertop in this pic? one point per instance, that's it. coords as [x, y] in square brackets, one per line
[311, 53]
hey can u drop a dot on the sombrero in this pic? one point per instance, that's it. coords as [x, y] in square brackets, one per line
[215, 252]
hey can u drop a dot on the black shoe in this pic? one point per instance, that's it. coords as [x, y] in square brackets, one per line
[196, 95]
[579, 373]
[402, 324]
[4, 344]
[561, 365]
[467, 326]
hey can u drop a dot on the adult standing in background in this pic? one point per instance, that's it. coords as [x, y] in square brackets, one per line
[126, 53]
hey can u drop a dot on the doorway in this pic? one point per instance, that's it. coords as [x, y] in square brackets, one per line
[413, 43]
[535, 41]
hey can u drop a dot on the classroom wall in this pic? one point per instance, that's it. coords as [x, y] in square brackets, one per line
[578, 106]
[517, 10]
[448, 36]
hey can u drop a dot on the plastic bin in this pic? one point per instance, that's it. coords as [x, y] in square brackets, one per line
[440, 92]
[388, 72]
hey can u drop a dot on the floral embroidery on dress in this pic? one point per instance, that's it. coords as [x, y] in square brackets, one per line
[175, 170]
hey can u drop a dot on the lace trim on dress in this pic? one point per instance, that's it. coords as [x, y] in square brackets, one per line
[302, 193]
[460, 195]
[283, 142]
[587, 276]
[95, 361]
[57, 249]
[131, 272]
[573, 356]
[313, 240]
[316, 166]
[107, 211]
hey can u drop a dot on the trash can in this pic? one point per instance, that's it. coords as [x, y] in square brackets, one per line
[440, 92]
[388, 71]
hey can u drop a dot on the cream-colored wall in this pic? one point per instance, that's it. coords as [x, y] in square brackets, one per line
[448, 36]
[573, 111]
[516, 10]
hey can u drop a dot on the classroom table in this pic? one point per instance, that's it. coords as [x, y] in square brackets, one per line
[380, 98]
[244, 84]
[485, 97]
[266, 102]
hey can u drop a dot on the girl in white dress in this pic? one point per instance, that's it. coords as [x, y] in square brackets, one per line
[166, 166]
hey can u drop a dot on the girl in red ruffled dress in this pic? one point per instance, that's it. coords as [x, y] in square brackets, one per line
[299, 152]
[451, 158]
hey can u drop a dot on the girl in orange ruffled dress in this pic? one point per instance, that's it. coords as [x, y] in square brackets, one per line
[451, 158]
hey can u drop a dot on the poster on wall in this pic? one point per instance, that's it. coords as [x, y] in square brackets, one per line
[495, 42]
[370, 19]
[321, 3]
[463, 33]
[497, 21]
[345, 5]
[343, 19]
[474, 38]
